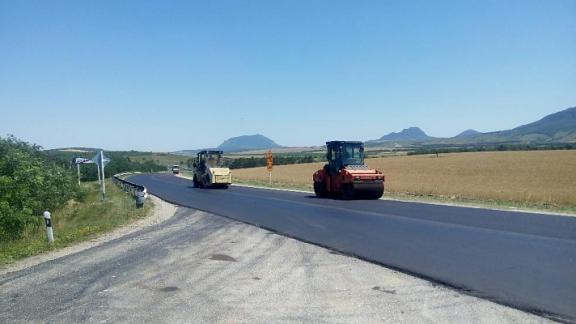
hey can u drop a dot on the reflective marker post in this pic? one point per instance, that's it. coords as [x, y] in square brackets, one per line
[49, 231]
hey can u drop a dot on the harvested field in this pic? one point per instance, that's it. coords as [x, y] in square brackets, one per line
[546, 178]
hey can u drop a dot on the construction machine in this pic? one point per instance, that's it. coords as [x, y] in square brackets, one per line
[208, 171]
[345, 175]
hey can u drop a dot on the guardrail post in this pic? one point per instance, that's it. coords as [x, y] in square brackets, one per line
[140, 197]
[139, 192]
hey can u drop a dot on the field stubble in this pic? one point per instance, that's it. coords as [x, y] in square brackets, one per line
[544, 179]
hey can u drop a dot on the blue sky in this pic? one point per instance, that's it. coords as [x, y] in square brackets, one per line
[170, 75]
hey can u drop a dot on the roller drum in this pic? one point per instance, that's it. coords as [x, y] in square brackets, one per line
[368, 190]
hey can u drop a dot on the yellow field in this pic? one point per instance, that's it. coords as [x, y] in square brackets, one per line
[532, 177]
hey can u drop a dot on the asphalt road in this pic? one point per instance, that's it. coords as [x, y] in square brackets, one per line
[196, 267]
[519, 259]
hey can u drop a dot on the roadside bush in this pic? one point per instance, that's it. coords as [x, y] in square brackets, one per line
[28, 186]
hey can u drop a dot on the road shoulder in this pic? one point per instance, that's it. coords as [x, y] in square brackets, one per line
[199, 267]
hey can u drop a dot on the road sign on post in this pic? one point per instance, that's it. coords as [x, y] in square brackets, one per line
[101, 161]
[79, 161]
[269, 164]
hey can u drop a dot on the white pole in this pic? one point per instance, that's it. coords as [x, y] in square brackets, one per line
[78, 167]
[270, 177]
[98, 168]
[49, 231]
[103, 182]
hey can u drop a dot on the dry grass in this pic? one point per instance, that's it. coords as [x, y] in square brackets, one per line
[542, 178]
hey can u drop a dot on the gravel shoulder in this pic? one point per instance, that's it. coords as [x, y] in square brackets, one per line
[183, 265]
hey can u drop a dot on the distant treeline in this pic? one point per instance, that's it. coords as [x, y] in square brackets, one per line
[255, 162]
[241, 163]
[492, 148]
[119, 162]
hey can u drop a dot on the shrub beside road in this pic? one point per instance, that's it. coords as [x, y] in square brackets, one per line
[77, 220]
[30, 183]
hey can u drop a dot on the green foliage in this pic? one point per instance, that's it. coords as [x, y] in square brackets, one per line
[120, 162]
[79, 220]
[29, 185]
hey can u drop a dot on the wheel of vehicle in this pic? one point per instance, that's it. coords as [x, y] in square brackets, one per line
[206, 181]
[320, 189]
[195, 182]
[347, 191]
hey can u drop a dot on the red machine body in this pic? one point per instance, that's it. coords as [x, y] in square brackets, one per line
[346, 175]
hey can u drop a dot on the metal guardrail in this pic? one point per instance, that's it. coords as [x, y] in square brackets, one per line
[128, 186]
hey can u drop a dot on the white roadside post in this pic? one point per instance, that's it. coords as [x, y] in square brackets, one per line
[49, 231]
[78, 167]
[103, 178]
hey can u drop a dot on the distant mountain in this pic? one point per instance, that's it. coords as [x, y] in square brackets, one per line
[467, 133]
[408, 134]
[559, 127]
[247, 142]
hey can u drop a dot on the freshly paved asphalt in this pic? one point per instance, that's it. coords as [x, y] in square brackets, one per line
[519, 259]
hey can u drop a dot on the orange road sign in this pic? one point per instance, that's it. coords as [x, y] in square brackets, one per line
[269, 161]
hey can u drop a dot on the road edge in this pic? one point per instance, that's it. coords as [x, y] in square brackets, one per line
[437, 203]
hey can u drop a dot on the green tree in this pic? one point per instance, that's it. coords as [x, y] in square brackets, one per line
[29, 184]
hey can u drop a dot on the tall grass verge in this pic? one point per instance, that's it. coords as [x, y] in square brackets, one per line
[78, 220]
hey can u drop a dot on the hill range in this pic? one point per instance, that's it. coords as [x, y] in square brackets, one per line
[558, 127]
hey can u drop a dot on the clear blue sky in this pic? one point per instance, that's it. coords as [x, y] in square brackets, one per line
[170, 75]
